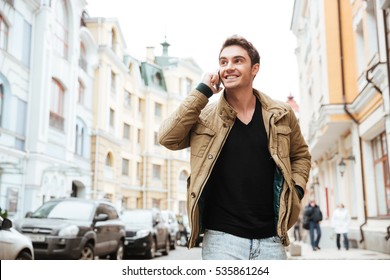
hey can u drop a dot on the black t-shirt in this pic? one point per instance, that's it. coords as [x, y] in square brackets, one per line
[239, 193]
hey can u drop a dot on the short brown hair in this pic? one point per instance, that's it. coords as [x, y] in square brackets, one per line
[237, 40]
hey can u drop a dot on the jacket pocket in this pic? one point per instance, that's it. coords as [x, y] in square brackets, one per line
[283, 138]
[200, 139]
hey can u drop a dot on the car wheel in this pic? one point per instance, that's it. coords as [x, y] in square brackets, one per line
[152, 251]
[167, 246]
[87, 253]
[24, 256]
[118, 255]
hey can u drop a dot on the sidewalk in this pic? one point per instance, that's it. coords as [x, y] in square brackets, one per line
[333, 254]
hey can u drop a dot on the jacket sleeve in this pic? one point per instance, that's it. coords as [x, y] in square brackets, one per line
[174, 132]
[300, 157]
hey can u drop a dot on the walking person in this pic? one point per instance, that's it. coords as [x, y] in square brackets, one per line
[297, 230]
[249, 161]
[314, 216]
[340, 223]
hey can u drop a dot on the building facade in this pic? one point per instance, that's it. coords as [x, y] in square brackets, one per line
[79, 115]
[46, 92]
[344, 80]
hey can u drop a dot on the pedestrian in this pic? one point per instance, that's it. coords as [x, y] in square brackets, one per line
[297, 230]
[340, 223]
[313, 214]
[247, 151]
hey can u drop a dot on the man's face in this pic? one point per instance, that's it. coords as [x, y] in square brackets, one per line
[235, 67]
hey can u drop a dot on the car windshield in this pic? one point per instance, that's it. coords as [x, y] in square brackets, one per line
[68, 210]
[137, 218]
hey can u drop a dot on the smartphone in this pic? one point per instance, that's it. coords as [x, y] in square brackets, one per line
[218, 85]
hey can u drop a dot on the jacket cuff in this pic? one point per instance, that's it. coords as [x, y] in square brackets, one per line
[203, 88]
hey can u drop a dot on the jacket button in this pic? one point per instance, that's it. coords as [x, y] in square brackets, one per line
[224, 125]
[193, 195]
[210, 156]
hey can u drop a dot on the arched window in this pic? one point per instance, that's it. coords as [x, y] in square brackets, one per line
[3, 33]
[57, 105]
[61, 29]
[113, 40]
[183, 181]
[81, 97]
[109, 166]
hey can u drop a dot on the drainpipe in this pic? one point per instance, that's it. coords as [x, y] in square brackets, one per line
[387, 237]
[353, 119]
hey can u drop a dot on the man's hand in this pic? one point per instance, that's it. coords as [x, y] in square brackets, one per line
[212, 80]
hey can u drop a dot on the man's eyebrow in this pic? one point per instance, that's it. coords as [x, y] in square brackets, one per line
[235, 57]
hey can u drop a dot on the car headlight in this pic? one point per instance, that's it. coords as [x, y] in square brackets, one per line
[70, 231]
[142, 233]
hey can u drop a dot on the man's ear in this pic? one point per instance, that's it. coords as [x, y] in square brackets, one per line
[255, 69]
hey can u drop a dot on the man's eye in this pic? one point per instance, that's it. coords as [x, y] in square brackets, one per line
[222, 63]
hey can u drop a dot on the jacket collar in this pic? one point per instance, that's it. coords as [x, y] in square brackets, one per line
[269, 106]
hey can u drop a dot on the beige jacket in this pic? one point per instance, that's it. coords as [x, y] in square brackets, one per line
[205, 128]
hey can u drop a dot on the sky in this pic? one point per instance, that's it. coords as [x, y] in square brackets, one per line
[197, 29]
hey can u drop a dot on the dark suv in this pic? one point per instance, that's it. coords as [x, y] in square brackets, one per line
[146, 233]
[74, 228]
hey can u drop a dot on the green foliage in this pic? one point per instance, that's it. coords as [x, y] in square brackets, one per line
[4, 214]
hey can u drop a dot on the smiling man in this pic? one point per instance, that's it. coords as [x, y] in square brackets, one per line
[249, 161]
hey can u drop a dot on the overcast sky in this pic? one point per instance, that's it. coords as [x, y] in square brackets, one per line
[197, 29]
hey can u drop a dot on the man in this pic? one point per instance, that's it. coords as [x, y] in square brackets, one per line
[313, 214]
[249, 161]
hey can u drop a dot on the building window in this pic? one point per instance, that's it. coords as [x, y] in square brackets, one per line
[183, 181]
[185, 86]
[156, 172]
[80, 141]
[81, 93]
[125, 167]
[83, 57]
[126, 131]
[109, 167]
[57, 105]
[3, 33]
[156, 139]
[112, 118]
[139, 136]
[127, 99]
[382, 174]
[21, 124]
[61, 29]
[113, 82]
[139, 172]
[157, 110]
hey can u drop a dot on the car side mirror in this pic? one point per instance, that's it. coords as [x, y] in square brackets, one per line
[101, 217]
[28, 214]
[6, 224]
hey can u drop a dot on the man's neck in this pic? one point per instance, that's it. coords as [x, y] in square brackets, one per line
[243, 102]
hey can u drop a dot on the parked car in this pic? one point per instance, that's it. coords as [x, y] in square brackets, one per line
[74, 228]
[170, 219]
[13, 244]
[146, 233]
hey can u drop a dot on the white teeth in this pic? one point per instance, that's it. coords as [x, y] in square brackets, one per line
[230, 77]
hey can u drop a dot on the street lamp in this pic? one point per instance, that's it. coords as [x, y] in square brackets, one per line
[342, 164]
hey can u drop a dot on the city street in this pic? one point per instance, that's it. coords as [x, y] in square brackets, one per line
[182, 253]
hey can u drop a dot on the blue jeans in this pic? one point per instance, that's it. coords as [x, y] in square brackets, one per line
[345, 240]
[219, 245]
[315, 238]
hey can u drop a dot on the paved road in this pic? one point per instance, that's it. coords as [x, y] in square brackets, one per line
[182, 253]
